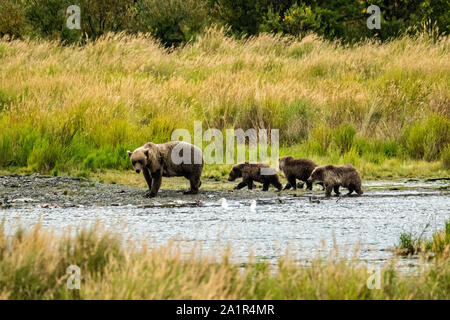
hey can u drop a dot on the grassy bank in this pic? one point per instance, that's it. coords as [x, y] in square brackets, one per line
[33, 265]
[383, 107]
[439, 243]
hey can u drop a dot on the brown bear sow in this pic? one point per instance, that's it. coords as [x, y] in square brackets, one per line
[294, 169]
[334, 177]
[259, 172]
[171, 159]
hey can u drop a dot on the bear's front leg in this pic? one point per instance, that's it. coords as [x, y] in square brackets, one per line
[241, 185]
[292, 182]
[148, 178]
[156, 183]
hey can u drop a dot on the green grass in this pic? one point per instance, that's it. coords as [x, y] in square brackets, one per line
[79, 108]
[33, 265]
[438, 245]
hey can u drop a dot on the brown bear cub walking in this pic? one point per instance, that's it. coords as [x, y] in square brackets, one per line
[259, 172]
[294, 169]
[334, 177]
[171, 159]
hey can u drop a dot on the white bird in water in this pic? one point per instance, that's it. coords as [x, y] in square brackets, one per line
[253, 206]
[224, 203]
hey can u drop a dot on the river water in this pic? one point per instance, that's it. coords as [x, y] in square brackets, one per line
[372, 223]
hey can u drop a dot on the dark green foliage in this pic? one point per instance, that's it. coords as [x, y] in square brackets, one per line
[427, 139]
[12, 18]
[178, 21]
[172, 21]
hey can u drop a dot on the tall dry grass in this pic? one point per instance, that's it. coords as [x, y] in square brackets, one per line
[33, 265]
[65, 107]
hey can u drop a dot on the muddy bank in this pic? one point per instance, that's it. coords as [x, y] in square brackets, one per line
[18, 191]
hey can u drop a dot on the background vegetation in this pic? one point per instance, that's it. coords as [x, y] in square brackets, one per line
[72, 107]
[77, 100]
[33, 265]
[177, 21]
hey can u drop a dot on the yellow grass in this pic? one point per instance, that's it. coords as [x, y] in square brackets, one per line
[68, 108]
[33, 265]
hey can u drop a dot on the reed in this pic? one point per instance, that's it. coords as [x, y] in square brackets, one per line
[33, 265]
[80, 108]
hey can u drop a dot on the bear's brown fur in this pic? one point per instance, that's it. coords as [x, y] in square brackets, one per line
[156, 161]
[334, 177]
[294, 169]
[259, 172]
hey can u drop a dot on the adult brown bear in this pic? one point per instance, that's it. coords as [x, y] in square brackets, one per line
[334, 177]
[259, 172]
[171, 159]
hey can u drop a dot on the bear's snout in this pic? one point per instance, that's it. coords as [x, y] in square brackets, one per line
[138, 170]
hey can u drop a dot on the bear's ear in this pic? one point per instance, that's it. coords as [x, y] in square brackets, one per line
[129, 153]
[146, 152]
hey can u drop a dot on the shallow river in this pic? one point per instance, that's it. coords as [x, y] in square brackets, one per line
[372, 222]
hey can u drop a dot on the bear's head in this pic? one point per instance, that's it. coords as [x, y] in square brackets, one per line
[316, 175]
[283, 161]
[139, 158]
[235, 173]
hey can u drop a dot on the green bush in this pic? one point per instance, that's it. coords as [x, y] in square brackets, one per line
[445, 157]
[295, 121]
[427, 139]
[300, 19]
[12, 19]
[172, 21]
[319, 140]
[47, 19]
[344, 136]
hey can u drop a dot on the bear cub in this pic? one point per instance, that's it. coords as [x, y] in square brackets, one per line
[334, 177]
[259, 172]
[294, 169]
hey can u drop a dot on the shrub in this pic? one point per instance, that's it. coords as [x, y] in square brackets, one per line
[296, 120]
[12, 19]
[48, 17]
[319, 140]
[445, 157]
[300, 19]
[172, 21]
[427, 139]
[343, 137]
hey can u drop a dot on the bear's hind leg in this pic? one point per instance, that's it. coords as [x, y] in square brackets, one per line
[195, 184]
[276, 183]
[287, 186]
[328, 189]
